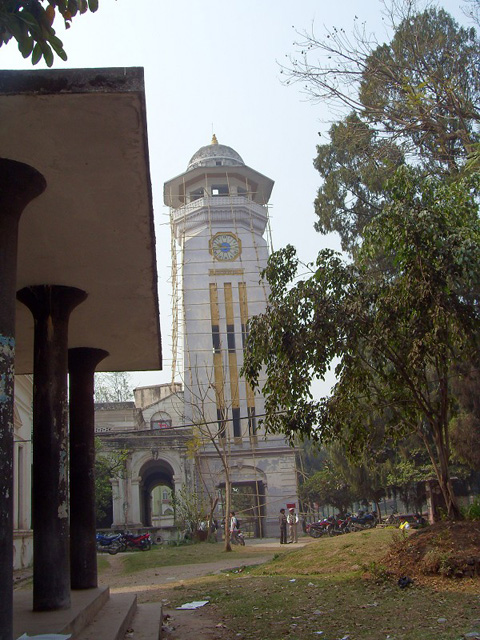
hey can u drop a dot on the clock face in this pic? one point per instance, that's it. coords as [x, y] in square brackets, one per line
[225, 246]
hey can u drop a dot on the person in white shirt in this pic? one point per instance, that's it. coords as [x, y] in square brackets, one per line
[234, 528]
[292, 520]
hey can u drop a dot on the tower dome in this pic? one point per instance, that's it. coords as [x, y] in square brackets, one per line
[215, 155]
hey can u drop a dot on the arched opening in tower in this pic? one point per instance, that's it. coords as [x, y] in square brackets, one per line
[248, 502]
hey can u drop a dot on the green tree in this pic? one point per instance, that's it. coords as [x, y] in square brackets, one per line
[310, 457]
[465, 427]
[354, 167]
[399, 319]
[327, 487]
[406, 479]
[108, 465]
[115, 386]
[190, 509]
[30, 23]
[366, 476]
[415, 99]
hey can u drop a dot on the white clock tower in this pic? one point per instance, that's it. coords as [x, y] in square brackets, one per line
[219, 217]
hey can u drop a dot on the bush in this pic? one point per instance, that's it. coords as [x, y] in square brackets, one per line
[472, 512]
[377, 572]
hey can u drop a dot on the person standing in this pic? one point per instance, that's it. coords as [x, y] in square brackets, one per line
[292, 520]
[282, 521]
[234, 527]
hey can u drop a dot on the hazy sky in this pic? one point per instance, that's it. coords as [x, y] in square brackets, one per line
[213, 66]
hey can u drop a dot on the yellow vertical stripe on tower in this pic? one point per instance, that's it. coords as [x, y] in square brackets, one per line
[217, 357]
[242, 296]
[232, 360]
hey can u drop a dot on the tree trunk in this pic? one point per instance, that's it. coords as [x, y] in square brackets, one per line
[379, 513]
[443, 475]
[446, 486]
[228, 494]
[211, 532]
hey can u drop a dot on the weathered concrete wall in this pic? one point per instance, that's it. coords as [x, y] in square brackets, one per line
[147, 396]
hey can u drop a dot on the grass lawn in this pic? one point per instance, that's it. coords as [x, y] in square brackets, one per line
[339, 556]
[168, 556]
[320, 591]
[330, 608]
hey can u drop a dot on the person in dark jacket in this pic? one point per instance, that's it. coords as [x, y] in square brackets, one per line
[282, 521]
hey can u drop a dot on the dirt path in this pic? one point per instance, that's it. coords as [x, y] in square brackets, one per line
[154, 585]
[151, 584]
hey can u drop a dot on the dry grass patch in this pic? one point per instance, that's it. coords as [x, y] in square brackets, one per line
[448, 549]
[251, 607]
[345, 554]
[169, 556]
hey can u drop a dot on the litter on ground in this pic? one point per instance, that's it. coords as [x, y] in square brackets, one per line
[45, 636]
[196, 604]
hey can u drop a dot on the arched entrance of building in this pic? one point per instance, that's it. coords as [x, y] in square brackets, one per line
[248, 502]
[156, 494]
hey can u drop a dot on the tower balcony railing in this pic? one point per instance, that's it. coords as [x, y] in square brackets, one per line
[221, 202]
[209, 208]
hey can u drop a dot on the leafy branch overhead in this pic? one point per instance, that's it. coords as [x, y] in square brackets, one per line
[30, 23]
[399, 320]
[414, 100]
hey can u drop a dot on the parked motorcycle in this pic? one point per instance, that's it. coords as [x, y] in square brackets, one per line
[338, 526]
[111, 544]
[361, 521]
[319, 528]
[142, 542]
[237, 537]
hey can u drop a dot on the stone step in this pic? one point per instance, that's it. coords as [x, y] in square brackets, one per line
[86, 604]
[146, 623]
[113, 620]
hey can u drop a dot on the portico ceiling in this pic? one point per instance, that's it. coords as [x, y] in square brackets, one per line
[85, 130]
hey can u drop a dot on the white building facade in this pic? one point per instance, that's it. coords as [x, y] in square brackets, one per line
[189, 435]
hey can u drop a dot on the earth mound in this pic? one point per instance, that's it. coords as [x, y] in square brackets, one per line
[449, 549]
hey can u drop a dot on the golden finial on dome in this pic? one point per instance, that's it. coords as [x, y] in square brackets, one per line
[214, 139]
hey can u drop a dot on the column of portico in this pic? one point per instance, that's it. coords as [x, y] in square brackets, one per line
[19, 184]
[50, 306]
[126, 493]
[82, 362]
[117, 502]
[135, 509]
[177, 485]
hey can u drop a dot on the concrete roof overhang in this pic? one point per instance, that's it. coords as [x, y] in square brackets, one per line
[175, 190]
[85, 130]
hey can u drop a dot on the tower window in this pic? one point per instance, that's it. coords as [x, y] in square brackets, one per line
[195, 195]
[220, 190]
[222, 422]
[231, 338]
[237, 430]
[216, 338]
[160, 421]
[160, 424]
[252, 421]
